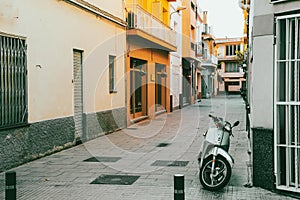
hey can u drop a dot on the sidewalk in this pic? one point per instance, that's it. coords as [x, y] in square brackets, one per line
[151, 152]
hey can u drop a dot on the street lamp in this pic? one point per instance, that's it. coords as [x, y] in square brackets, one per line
[179, 8]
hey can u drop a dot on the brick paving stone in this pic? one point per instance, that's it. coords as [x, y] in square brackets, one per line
[65, 176]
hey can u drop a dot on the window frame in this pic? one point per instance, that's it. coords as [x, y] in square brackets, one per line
[13, 82]
[287, 103]
[112, 73]
[232, 67]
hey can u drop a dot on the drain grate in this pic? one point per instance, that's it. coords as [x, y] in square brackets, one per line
[163, 144]
[102, 159]
[170, 163]
[131, 128]
[115, 179]
[160, 119]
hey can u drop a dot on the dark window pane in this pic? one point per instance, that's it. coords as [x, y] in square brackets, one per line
[282, 165]
[292, 167]
[282, 124]
[298, 44]
[282, 39]
[111, 73]
[292, 37]
[281, 81]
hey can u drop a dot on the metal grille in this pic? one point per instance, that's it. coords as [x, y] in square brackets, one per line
[13, 82]
[287, 103]
[116, 179]
[102, 159]
[170, 163]
[78, 101]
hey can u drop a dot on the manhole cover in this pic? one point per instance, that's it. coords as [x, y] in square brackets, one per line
[102, 159]
[115, 179]
[163, 144]
[170, 163]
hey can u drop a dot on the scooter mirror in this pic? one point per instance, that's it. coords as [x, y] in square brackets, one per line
[236, 123]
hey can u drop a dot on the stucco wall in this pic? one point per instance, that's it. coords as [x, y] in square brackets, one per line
[261, 69]
[113, 7]
[175, 57]
[52, 30]
[262, 82]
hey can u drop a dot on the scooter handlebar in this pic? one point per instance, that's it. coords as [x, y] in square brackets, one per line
[213, 117]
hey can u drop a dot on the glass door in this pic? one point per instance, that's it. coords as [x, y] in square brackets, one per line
[138, 88]
[160, 87]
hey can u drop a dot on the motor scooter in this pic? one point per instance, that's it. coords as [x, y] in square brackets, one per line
[215, 163]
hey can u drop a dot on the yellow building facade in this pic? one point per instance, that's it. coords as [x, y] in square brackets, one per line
[231, 72]
[190, 62]
[149, 41]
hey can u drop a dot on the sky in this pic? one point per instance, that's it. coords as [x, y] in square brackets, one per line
[225, 16]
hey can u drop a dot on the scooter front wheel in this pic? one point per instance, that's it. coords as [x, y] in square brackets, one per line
[220, 176]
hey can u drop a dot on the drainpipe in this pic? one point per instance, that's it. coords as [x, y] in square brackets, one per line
[192, 80]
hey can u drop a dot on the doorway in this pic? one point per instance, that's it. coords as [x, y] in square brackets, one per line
[78, 92]
[138, 88]
[160, 87]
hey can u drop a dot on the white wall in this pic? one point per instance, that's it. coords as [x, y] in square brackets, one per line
[261, 69]
[113, 7]
[175, 57]
[221, 51]
[262, 82]
[52, 29]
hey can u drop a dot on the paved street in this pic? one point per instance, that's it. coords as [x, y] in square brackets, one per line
[147, 151]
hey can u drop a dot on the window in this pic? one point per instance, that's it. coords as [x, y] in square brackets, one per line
[112, 61]
[231, 49]
[287, 103]
[13, 82]
[231, 67]
[234, 83]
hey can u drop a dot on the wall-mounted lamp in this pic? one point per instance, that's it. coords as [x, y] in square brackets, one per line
[179, 8]
[244, 67]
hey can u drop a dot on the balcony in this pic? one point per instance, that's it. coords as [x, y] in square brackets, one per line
[199, 49]
[146, 29]
[208, 58]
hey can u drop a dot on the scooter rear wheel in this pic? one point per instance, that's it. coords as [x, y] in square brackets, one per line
[221, 175]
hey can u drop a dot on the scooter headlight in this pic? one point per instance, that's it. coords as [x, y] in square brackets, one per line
[227, 127]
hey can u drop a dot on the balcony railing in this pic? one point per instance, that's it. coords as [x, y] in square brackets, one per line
[209, 58]
[199, 49]
[138, 18]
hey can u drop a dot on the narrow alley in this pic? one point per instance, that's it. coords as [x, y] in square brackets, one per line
[151, 152]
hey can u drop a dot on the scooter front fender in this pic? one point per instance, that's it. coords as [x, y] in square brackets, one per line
[221, 152]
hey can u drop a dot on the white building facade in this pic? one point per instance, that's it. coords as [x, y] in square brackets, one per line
[274, 95]
[175, 57]
[62, 68]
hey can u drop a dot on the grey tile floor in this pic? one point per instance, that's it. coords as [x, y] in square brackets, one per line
[65, 175]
